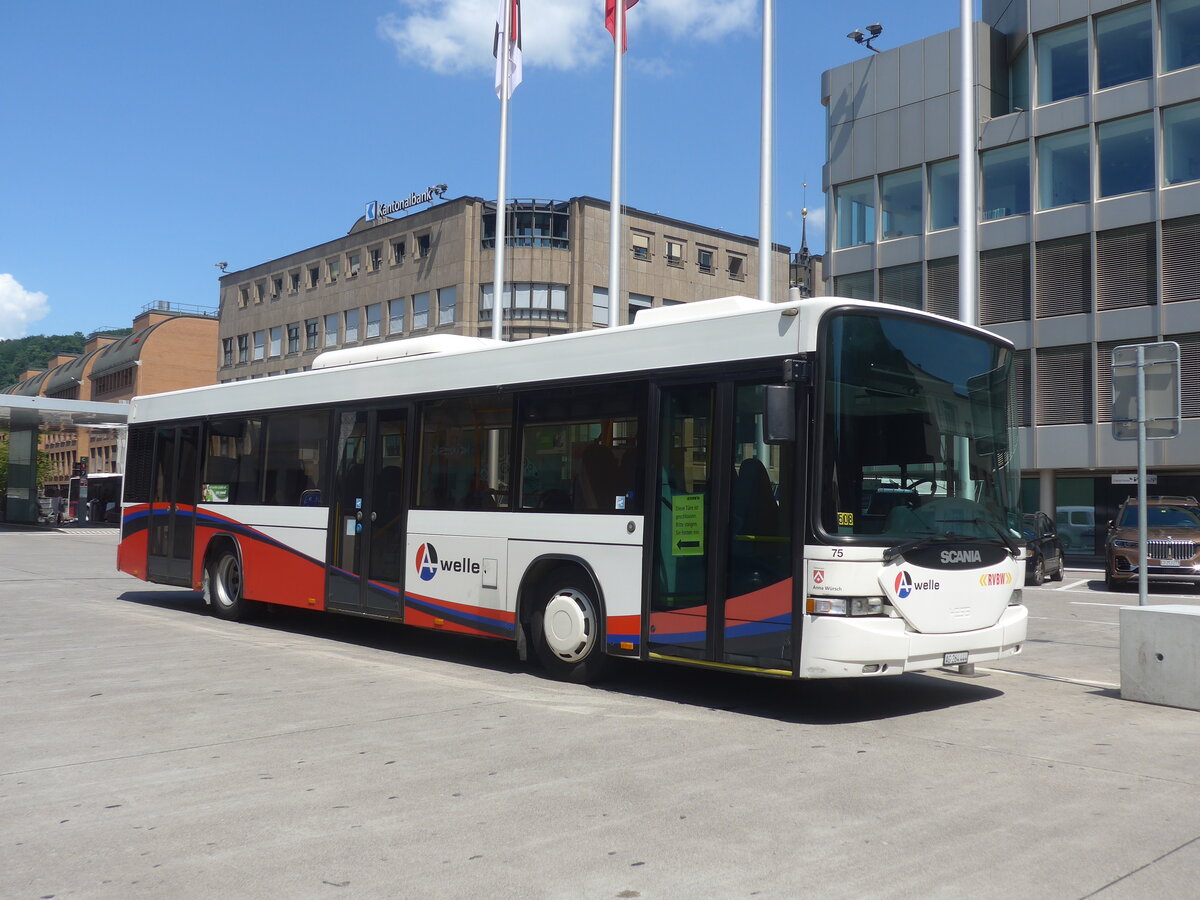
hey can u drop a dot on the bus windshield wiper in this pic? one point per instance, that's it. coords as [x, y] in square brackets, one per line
[1007, 539]
[915, 544]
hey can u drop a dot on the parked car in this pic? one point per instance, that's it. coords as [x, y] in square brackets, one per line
[1077, 527]
[1172, 542]
[1044, 555]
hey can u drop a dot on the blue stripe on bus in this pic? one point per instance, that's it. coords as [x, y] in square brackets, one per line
[482, 623]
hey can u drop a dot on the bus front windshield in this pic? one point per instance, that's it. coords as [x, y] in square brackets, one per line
[917, 436]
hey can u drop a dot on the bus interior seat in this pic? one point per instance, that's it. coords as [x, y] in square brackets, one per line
[754, 509]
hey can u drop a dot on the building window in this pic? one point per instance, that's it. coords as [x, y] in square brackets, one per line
[1126, 267]
[641, 245]
[333, 268]
[1064, 385]
[1181, 143]
[941, 287]
[375, 255]
[943, 195]
[854, 205]
[1180, 33]
[901, 285]
[1181, 260]
[396, 315]
[243, 343]
[374, 320]
[333, 326]
[638, 302]
[277, 341]
[447, 300]
[674, 253]
[314, 276]
[351, 325]
[600, 317]
[312, 334]
[424, 245]
[227, 351]
[293, 337]
[260, 291]
[1018, 80]
[856, 286]
[529, 223]
[1004, 285]
[397, 252]
[1062, 63]
[704, 260]
[737, 267]
[353, 263]
[276, 287]
[1126, 150]
[243, 296]
[260, 345]
[1064, 276]
[900, 204]
[1022, 387]
[1005, 177]
[421, 310]
[525, 300]
[294, 281]
[1064, 169]
[1123, 46]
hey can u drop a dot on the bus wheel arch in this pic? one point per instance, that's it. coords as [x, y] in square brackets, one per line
[562, 612]
[224, 580]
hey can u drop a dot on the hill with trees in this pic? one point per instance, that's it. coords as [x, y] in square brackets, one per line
[33, 352]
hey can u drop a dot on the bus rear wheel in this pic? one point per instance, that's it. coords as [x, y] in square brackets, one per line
[566, 630]
[223, 587]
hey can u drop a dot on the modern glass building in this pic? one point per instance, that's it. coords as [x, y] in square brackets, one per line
[1088, 221]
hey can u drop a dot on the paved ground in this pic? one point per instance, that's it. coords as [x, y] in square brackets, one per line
[149, 750]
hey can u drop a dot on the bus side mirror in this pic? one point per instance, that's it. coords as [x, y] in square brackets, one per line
[779, 414]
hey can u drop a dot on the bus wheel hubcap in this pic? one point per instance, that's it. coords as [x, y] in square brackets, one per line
[569, 625]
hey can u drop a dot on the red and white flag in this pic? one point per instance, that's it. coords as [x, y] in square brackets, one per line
[508, 33]
[610, 19]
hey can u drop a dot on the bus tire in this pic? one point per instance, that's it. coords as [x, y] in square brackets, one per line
[223, 586]
[567, 626]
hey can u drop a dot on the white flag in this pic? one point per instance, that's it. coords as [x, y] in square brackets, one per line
[508, 32]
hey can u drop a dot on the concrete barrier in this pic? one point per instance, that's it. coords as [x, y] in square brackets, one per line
[1160, 655]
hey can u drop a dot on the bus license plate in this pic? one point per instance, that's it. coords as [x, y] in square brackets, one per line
[955, 659]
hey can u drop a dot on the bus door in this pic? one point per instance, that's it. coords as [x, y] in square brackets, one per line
[722, 564]
[174, 492]
[367, 512]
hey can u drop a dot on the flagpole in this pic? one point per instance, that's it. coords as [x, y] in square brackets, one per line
[614, 209]
[501, 191]
[765, 256]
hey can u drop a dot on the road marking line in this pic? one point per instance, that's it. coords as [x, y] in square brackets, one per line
[1084, 621]
[1097, 603]
[1080, 681]
[1073, 584]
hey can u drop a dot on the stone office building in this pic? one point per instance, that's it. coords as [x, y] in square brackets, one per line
[1088, 224]
[431, 271]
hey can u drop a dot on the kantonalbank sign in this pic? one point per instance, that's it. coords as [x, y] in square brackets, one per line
[376, 210]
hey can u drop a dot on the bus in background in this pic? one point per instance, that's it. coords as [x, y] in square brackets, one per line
[94, 498]
[822, 488]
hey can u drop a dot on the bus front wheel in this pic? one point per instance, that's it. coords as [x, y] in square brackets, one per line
[223, 586]
[566, 630]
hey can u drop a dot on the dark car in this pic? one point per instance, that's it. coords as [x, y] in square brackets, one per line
[1044, 559]
[1172, 542]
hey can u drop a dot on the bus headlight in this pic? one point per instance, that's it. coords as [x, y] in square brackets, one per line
[845, 606]
[1017, 598]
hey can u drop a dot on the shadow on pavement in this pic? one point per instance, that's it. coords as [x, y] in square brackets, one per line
[819, 702]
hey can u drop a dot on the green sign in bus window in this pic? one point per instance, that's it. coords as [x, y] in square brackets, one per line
[687, 525]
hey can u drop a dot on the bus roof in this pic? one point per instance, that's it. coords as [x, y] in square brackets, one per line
[725, 330]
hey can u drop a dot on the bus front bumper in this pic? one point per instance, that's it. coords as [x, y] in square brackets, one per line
[837, 647]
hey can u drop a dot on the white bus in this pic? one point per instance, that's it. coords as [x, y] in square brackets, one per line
[822, 488]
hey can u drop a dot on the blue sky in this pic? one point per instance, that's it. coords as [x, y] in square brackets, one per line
[145, 142]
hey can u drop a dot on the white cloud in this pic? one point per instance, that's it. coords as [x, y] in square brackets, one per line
[452, 36]
[19, 307]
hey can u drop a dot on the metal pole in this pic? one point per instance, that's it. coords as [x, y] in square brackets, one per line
[1141, 473]
[766, 257]
[614, 209]
[501, 194]
[968, 259]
